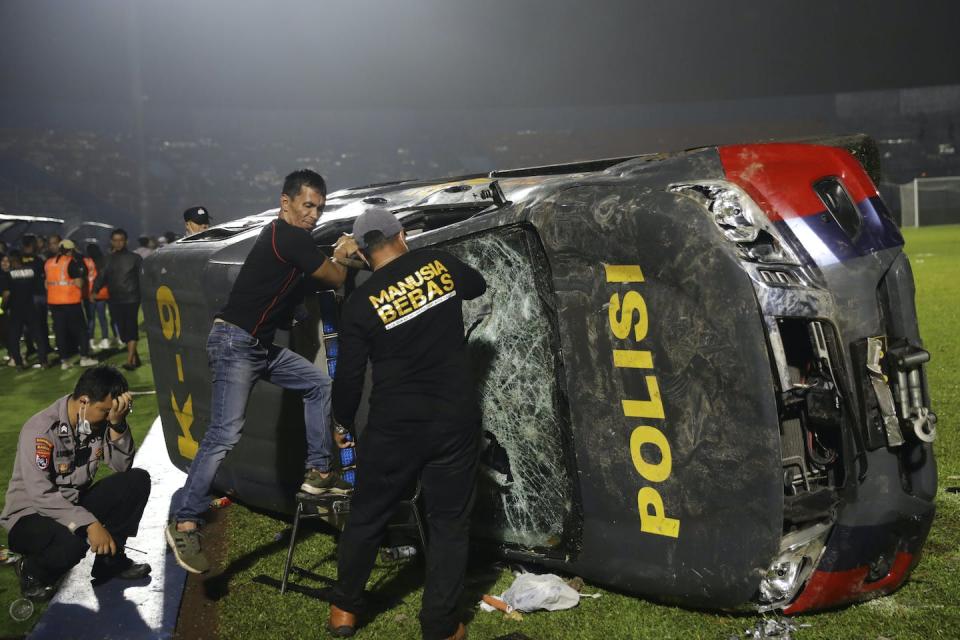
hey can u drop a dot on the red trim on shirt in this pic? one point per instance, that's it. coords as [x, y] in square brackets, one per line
[263, 316]
[273, 242]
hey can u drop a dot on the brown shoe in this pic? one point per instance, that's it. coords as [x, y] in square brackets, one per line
[459, 634]
[342, 624]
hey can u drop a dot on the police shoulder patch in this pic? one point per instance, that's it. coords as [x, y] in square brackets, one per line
[44, 452]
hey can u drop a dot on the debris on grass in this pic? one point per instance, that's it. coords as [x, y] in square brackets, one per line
[779, 628]
[21, 609]
[220, 503]
[533, 592]
[492, 603]
[575, 583]
[513, 616]
[7, 556]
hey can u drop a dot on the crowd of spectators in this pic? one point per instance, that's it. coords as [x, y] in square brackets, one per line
[48, 281]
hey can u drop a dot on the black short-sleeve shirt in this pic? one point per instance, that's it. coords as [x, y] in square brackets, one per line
[407, 318]
[35, 263]
[22, 284]
[269, 283]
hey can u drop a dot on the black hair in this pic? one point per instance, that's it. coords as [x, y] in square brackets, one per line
[93, 251]
[143, 241]
[375, 239]
[28, 240]
[170, 236]
[99, 382]
[296, 181]
[119, 230]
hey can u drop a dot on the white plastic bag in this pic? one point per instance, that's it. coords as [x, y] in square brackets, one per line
[530, 592]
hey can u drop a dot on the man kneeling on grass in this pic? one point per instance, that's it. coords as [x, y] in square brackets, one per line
[54, 512]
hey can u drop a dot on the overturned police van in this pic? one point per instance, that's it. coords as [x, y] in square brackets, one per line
[701, 374]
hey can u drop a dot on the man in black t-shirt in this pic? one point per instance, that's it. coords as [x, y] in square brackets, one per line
[240, 350]
[423, 423]
[23, 313]
[30, 258]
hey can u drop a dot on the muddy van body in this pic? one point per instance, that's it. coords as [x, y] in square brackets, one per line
[701, 374]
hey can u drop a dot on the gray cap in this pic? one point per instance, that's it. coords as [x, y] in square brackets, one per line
[375, 219]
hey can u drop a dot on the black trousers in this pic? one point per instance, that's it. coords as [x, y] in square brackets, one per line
[125, 317]
[48, 547]
[27, 321]
[70, 328]
[390, 458]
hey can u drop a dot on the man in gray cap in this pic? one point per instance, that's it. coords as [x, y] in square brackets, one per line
[196, 219]
[423, 421]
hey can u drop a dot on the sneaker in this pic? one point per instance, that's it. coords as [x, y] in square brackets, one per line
[30, 587]
[316, 484]
[11, 363]
[93, 345]
[186, 549]
[66, 364]
[87, 361]
[105, 343]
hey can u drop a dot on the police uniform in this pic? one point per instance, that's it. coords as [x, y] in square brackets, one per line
[51, 498]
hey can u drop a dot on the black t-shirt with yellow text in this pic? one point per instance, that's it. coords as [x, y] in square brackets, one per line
[407, 319]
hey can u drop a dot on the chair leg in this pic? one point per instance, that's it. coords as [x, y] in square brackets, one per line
[415, 505]
[293, 542]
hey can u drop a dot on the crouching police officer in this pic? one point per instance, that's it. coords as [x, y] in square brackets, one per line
[54, 512]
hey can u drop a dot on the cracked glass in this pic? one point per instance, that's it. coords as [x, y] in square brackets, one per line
[524, 498]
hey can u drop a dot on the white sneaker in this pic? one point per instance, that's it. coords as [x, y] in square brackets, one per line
[88, 362]
[105, 343]
[93, 345]
[66, 364]
[11, 363]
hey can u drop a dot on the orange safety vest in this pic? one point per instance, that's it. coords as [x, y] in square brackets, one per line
[103, 294]
[60, 287]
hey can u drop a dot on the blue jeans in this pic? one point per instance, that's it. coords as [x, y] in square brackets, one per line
[97, 310]
[237, 361]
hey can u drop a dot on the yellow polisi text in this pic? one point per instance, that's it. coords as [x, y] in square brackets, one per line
[630, 322]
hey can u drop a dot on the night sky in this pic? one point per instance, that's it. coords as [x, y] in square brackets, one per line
[443, 54]
[374, 90]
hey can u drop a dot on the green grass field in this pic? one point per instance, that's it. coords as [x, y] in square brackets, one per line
[249, 606]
